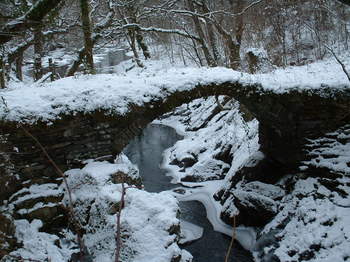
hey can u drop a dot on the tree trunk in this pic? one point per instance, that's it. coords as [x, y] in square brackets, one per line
[142, 45]
[19, 63]
[2, 73]
[211, 35]
[235, 46]
[52, 70]
[213, 43]
[201, 35]
[132, 42]
[85, 18]
[38, 53]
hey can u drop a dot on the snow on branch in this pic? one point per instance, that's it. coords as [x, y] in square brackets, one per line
[15, 52]
[159, 30]
[209, 14]
[34, 16]
[339, 61]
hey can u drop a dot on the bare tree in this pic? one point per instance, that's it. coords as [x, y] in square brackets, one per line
[88, 42]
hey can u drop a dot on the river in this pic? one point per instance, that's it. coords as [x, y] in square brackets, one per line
[146, 151]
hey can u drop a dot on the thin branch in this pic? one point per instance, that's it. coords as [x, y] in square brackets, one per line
[159, 30]
[232, 240]
[118, 234]
[339, 61]
[211, 13]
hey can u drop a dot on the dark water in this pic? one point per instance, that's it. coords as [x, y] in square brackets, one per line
[146, 151]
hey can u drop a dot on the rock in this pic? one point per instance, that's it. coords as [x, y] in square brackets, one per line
[38, 201]
[253, 203]
[254, 209]
[188, 161]
[121, 177]
[8, 242]
[267, 190]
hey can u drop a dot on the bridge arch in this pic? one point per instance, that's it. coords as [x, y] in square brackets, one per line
[286, 120]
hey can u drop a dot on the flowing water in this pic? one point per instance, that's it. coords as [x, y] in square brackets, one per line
[146, 151]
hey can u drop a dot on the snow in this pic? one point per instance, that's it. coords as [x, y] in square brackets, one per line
[231, 134]
[38, 245]
[318, 218]
[148, 221]
[148, 218]
[189, 232]
[313, 219]
[330, 152]
[114, 93]
[35, 191]
[267, 190]
[320, 223]
[204, 194]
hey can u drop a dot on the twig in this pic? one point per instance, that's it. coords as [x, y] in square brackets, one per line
[118, 237]
[118, 233]
[232, 240]
[339, 61]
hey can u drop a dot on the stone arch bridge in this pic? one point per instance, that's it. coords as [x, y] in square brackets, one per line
[286, 120]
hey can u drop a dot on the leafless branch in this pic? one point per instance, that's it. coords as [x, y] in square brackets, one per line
[339, 61]
[118, 234]
[232, 240]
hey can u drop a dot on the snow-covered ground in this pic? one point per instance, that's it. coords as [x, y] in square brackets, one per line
[114, 92]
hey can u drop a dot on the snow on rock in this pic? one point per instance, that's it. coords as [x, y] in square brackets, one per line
[40, 246]
[254, 209]
[331, 152]
[189, 232]
[149, 222]
[113, 93]
[202, 156]
[35, 191]
[311, 227]
[313, 219]
[150, 227]
[252, 204]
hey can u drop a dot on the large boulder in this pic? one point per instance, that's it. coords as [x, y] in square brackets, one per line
[252, 204]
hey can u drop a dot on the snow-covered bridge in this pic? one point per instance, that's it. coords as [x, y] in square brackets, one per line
[91, 116]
